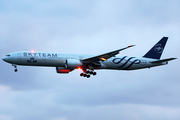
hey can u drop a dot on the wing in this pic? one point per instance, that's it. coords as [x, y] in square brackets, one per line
[104, 57]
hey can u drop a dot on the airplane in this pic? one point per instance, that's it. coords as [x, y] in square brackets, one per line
[66, 63]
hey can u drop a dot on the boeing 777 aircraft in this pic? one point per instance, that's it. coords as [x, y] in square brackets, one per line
[66, 63]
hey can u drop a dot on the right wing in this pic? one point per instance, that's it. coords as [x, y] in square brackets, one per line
[103, 57]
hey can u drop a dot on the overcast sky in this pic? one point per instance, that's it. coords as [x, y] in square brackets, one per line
[89, 27]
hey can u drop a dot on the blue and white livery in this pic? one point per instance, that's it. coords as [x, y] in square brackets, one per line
[65, 63]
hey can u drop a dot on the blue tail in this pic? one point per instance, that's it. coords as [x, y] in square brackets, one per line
[156, 51]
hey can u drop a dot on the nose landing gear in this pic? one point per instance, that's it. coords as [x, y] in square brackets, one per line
[87, 73]
[15, 70]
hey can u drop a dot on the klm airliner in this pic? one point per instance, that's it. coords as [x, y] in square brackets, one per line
[65, 63]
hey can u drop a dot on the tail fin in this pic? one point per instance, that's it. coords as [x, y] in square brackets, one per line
[156, 51]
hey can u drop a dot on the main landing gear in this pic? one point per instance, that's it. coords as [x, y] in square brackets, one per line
[87, 73]
[15, 70]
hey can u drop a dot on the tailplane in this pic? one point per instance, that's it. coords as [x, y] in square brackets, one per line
[163, 60]
[156, 51]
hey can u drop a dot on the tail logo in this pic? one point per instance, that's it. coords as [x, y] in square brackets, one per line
[158, 48]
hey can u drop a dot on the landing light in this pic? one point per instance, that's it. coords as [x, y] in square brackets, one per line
[79, 68]
[32, 51]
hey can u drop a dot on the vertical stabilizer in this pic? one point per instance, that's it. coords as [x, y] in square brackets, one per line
[156, 51]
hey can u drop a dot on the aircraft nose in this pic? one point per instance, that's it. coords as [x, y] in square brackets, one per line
[4, 58]
[7, 58]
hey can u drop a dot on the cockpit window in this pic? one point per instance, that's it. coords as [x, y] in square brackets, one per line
[7, 55]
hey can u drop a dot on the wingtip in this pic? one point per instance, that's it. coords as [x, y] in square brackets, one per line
[131, 45]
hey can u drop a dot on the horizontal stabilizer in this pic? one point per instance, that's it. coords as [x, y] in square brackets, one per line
[163, 60]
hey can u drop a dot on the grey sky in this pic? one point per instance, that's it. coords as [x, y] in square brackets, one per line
[89, 27]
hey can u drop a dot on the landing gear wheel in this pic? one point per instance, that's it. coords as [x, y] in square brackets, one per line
[94, 73]
[81, 74]
[90, 72]
[15, 70]
[88, 76]
[85, 75]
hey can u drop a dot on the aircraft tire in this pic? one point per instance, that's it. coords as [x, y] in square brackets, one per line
[81, 74]
[15, 70]
[88, 76]
[85, 75]
[94, 73]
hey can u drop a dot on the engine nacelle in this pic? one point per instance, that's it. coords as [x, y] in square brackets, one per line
[72, 63]
[63, 70]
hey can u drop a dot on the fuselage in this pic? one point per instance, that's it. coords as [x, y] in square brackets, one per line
[28, 58]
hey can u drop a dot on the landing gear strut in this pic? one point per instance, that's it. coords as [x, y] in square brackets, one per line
[15, 70]
[87, 73]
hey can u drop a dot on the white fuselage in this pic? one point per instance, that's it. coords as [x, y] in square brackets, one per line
[48, 59]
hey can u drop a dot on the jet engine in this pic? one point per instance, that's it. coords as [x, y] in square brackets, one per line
[72, 63]
[63, 70]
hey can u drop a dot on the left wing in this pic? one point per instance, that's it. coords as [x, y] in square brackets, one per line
[104, 57]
